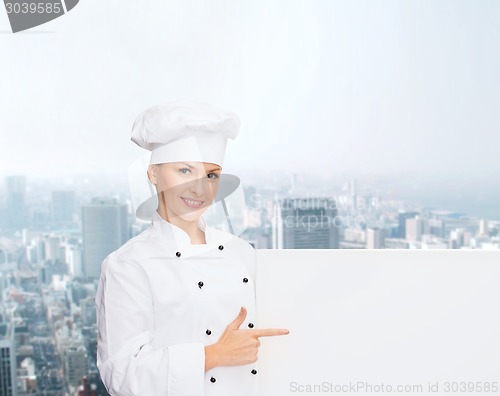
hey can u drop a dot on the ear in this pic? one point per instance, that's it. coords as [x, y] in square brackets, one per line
[152, 173]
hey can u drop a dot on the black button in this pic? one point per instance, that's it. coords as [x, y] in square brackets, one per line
[221, 247]
[254, 371]
[208, 332]
[200, 284]
[250, 325]
[178, 254]
[245, 280]
[212, 379]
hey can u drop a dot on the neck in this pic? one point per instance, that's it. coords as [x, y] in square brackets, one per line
[196, 235]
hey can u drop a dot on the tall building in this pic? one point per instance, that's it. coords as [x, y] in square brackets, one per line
[305, 223]
[62, 207]
[375, 238]
[8, 381]
[75, 364]
[15, 203]
[483, 227]
[8, 274]
[74, 260]
[88, 311]
[104, 229]
[53, 248]
[414, 229]
[402, 216]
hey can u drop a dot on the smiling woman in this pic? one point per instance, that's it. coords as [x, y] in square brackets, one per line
[186, 190]
[170, 301]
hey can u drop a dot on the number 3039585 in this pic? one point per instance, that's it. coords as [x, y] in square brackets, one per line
[33, 8]
[477, 386]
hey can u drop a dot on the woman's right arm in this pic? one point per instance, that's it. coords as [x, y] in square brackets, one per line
[127, 362]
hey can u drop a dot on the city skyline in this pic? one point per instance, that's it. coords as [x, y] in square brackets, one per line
[52, 249]
[474, 196]
[56, 201]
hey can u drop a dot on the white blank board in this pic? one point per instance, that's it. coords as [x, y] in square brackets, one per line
[427, 319]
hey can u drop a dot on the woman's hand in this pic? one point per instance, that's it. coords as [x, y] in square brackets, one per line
[237, 346]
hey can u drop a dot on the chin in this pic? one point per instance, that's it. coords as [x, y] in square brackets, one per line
[192, 216]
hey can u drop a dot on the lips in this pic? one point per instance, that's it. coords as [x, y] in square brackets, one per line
[192, 203]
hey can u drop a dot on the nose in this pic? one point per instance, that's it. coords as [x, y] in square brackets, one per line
[198, 185]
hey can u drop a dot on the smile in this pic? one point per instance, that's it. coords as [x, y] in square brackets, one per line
[192, 203]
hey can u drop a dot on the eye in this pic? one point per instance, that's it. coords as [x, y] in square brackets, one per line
[184, 169]
[215, 176]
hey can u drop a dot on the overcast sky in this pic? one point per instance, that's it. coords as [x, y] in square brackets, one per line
[320, 86]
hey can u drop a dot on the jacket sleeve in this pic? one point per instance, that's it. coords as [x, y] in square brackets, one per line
[127, 362]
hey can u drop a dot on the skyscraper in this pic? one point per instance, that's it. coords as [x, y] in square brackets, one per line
[402, 216]
[15, 204]
[104, 229]
[375, 238]
[88, 311]
[62, 207]
[305, 223]
[8, 382]
[74, 260]
[75, 364]
[414, 228]
[483, 227]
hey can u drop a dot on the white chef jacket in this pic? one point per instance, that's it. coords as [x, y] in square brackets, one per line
[160, 300]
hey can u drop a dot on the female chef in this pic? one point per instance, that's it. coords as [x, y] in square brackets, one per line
[176, 304]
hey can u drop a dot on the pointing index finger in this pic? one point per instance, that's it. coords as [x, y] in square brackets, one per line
[269, 332]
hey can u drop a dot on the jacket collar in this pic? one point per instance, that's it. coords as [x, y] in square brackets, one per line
[177, 234]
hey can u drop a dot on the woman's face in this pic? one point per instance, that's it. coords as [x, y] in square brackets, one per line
[188, 187]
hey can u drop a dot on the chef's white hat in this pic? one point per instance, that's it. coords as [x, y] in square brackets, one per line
[185, 131]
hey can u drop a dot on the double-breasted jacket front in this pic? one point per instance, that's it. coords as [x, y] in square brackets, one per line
[160, 300]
